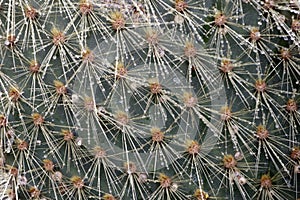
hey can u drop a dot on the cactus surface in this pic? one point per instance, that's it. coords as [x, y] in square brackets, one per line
[149, 99]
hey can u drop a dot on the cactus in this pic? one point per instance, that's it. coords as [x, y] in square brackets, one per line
[149, 99]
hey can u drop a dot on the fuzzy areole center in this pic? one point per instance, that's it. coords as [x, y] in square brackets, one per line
[130, 168]
[180, 5]
[14, 94]
[87, 55]
[262, 132]
[122, 118]
[31, 13]
[38, 119]
[22, 145]
[220, 19]
[226, 113]
[14, 171]
[109, 197]
[157, 135]
[295, 153]
[78, 183]
[226, 66]
[155, 88]
[265, 181]
[2, 121]
[229, 162]
[189, 100]
[201, 195]
[260, 86]
[89, 104]
[255, 35]
[58, 37]
[68, 135]
[99, 152]
[118, 21]
[11, 194]
[295, 25]
[291, 105]
[285, 54]
[269, 4]
[152, 37]
[193, 148]
[48, 165]
[85, 7]
[34, 192]
[165, 181]
[190, 50]
[34, 67]
[10, 41]
[60, 88]
[121, 70]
